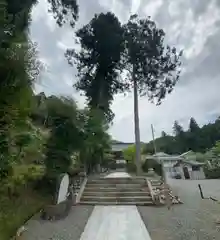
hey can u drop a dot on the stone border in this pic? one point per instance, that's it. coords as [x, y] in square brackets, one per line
[79, 195]
[152, 192]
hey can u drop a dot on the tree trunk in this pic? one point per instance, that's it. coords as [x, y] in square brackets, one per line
[136, 127]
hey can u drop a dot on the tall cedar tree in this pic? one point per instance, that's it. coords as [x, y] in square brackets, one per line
[98, 61]
[153, 68]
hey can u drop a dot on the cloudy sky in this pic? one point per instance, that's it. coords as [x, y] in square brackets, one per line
[190, 25]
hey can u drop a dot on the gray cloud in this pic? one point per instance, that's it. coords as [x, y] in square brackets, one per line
[191, 25]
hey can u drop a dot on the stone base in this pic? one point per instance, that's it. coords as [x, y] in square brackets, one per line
[57, 212]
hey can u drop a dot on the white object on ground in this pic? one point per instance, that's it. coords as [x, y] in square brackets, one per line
[115, 223]
[118, 175]
[63, 189]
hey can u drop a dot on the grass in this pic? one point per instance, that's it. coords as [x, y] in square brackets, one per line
[15, 212]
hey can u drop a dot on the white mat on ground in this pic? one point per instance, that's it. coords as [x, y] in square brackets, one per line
[115, 223]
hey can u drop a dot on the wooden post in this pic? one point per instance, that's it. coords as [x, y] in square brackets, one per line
[201, 193]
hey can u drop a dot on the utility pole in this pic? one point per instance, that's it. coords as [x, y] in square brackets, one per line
[166, 187]
[152, 129]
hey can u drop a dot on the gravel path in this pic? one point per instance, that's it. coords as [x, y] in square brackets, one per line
[193, 220]
[69, 228]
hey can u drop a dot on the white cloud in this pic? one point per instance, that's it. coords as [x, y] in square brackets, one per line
[151, 8]
[192, 100]
[135, 6]
[40, 13]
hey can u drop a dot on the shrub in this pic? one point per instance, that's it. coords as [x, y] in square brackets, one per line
[152, 164]
[131, 167]
[21, 177]
[212, 173]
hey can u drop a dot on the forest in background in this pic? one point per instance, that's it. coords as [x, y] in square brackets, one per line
[195, 138]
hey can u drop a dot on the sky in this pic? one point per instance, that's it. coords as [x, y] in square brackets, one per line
[193, 26]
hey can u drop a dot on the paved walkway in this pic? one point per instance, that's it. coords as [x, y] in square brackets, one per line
[118, 174]
[115, 222]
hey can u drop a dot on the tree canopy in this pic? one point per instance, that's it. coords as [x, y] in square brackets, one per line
[195, 138]
[99, 60]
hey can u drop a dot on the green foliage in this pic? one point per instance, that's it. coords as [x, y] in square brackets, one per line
[17, 74]
[152, 65]
[96, 140]
[64, 10]
[22, 140]
[22, 177]
[65, 137]
[131, 167]
[18, 199]
[98, 61]
[212, 173]
[152, 164]
[195, 138]
[177, 129]
[129, 153]
[15, 212]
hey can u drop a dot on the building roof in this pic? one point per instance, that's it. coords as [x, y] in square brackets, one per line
[161, 154]
[116, 147]
[191, 163]
[186, 153]
[164, 156]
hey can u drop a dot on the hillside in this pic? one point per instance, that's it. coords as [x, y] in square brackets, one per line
[197, 139]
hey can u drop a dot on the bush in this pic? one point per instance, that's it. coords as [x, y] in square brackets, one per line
[131, 167]
[22, 176]
[212, 173]
[152, 164]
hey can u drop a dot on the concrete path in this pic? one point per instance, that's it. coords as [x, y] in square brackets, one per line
[115, 222]
[118, 174]
[92, 223]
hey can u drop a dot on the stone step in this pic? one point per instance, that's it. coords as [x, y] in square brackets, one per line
[156, 182]
[118, 180]
[115, 185]
[146, 203]
[115, 194]
[115, 199]
[116, 189]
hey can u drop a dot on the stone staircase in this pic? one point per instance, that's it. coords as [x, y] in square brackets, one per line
[116, 191]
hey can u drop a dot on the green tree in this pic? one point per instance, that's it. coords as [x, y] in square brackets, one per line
[64, 10]
[193, 126]
[129, 153]
[152, 67]
[96, 142]
[193, 135]
[163, 134]
[99, 61]
[177, 129]
[17, 72]
[65, 136]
